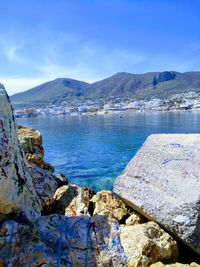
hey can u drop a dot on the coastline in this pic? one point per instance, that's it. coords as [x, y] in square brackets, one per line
[121, 112]
[47, 221]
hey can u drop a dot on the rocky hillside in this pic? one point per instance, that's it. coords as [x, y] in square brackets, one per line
[44, 221]
[124, 85]
[50, 92]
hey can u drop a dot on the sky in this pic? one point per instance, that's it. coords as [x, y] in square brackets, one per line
[89, 40]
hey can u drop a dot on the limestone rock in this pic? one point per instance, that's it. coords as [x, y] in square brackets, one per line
[105, 203]
[163, 183]
[20, 246]
[17, 192]
[134, 218]
[84, 241]
[72, 200]
[160, 264]
[57, 240]
[45, 184]
[32, 144]
[147, 243]
[44, 181]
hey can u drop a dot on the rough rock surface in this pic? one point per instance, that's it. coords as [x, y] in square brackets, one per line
[147, 243]
[45, 184]
[17, 192]
[105, 203]
[61, 179]
[44, 181]
[32, 144]
[163, 182]
[72, 200]
[134, 219]
[57, 240]
[160, 264]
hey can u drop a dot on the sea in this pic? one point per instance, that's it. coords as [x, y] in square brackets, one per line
[92, 150]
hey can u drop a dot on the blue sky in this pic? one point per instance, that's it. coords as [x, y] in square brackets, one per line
[89, 40]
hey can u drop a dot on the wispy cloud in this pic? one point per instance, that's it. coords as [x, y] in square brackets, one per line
[12, 50]
[66, 56]
[32, 62]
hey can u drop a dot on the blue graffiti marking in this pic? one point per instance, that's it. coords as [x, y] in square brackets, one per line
[11, 223]
[60, 246]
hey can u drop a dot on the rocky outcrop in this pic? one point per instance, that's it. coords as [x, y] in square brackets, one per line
[105, 203]
[163, 183]
[17, 193]
[32, 145]
[28, 239]
[80, 227]
[147, 243]
[57, 240]
[44, 181]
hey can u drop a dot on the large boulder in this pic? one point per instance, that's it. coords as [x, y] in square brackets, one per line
[57, 240]
[163, 183]
[17, 193]
[147, 243]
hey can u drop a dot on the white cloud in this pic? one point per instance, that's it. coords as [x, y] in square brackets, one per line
[30, 62]
[12, 50]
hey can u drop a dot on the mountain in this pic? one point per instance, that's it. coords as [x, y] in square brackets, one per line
[50, 92]
[122, 84]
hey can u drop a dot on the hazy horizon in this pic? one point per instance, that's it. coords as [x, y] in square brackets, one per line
[44, 40]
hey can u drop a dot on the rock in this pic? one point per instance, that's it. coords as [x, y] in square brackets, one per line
[84, 241]
[45, 184]
[20, 246]
[61, 179]
[57, 240]
[160, 264]
[72, 200]
[44, 181]
[32, 144]
[30, 140]
[17, 193]
[105, 203]
[147, 243]
[135, 218]
[163, 183]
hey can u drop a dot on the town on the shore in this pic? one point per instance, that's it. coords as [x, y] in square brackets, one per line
[184, 101]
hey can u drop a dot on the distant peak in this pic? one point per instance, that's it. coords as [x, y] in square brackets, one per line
[118, 74]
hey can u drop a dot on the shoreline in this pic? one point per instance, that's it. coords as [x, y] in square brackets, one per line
[106, 113]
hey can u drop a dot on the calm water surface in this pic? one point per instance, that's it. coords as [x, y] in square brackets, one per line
[93, 150]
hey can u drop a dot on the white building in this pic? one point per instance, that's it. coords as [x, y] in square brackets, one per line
[82, 109]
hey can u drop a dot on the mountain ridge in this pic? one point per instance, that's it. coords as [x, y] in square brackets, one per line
[120, 85]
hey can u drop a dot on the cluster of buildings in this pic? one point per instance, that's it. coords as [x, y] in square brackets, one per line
[185, 101]
[72, 108]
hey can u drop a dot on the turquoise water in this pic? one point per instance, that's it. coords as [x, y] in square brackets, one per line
[93, 150]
